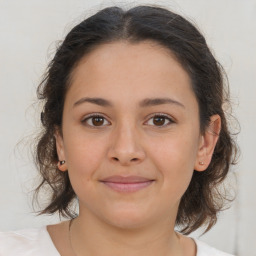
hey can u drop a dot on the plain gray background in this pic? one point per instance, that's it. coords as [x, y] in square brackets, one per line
[29, 30]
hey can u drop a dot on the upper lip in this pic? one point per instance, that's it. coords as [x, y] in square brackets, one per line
[126, 179]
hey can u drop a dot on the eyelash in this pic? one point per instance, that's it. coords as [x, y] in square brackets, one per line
[155, 115]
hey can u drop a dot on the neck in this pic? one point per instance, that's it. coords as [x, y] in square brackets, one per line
[91, 236]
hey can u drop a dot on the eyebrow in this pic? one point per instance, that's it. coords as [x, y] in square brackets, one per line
[144, 103]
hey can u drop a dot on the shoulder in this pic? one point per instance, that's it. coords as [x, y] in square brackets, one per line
[27, 242]
[205, 250]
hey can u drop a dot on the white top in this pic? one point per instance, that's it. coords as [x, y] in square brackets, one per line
[37, 242]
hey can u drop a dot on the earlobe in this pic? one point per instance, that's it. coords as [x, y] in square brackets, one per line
[207, 143]
[62, 166]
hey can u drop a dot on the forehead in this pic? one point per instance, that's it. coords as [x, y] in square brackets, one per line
[130, 70]
[143, 56]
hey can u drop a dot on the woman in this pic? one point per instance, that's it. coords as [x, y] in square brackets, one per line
[133, 126]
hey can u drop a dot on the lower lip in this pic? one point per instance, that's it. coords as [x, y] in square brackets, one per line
[128, 187]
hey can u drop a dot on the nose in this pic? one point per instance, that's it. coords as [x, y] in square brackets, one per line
[125, 146]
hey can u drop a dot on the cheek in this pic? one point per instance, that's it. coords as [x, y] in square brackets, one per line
[83, 159]
[175, 163]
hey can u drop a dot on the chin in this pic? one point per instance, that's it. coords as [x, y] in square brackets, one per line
[128, 219]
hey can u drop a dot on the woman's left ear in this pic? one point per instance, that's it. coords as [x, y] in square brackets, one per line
[207, 144]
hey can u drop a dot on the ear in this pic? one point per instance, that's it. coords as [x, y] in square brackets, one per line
[60, 149]
[207, 143]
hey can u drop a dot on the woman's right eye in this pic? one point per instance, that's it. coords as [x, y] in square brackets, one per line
[95, 120]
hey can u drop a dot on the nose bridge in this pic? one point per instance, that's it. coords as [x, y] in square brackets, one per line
[125, 143]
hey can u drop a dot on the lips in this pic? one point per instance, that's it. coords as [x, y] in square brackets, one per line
[123, 179]
[127, 184]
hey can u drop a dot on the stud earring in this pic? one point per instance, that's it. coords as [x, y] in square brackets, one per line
[62, 162]
[201, 163]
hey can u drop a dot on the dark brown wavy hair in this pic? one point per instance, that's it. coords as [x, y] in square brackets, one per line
[202, 200]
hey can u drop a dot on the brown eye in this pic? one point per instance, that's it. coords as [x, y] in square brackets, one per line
[95, 121]
[160, 120]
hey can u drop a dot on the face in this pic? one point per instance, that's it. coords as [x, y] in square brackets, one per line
[130, 136]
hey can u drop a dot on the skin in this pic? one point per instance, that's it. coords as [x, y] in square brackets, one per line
[130, 141]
